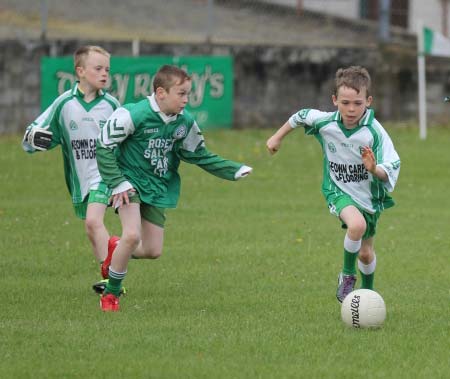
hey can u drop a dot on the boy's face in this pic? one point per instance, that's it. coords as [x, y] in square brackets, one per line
[94, 73]
[351, 105]
[174, 100]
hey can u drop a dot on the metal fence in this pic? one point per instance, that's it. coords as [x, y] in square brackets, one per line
[254, 22]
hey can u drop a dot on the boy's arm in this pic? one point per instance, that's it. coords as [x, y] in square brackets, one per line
[383, 163]
[37, 139]
[370, 163]
[388, 161]
[193, 150]
[115, 131]
[274, 143]
[43, 133]
[307, 118]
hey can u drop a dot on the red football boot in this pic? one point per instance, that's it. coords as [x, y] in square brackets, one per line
[112, 244]
[109, 303]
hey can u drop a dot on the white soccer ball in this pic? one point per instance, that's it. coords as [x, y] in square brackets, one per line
[363, 308]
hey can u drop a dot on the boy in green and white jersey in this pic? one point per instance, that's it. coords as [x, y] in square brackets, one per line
[73, 121]
[360, 167]
[139, 151]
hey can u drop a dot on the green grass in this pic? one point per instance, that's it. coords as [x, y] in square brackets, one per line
[245, 286]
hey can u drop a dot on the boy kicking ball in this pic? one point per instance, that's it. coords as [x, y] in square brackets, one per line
[360, 167]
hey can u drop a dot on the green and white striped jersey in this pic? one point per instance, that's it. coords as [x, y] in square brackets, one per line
[343, 169]
[76, 125]
[141, 147]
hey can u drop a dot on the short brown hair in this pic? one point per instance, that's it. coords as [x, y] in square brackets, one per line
[355, 77]
[167, 76]
[82, 52]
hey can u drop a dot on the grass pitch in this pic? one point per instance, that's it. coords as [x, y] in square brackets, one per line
[245, 287]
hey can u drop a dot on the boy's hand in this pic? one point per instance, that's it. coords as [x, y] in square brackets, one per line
[273, 144]
[243, 172]
[368, 158]
[39, 138]
[122, 198]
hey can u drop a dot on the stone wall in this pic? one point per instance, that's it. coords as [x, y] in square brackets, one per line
[271, 83]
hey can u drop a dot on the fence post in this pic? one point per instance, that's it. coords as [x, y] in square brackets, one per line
[44, 17]
[210, 21]
[384, 20]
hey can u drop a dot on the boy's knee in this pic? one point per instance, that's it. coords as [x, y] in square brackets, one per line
[92, 224]
[131, 238]
[358, 227]
[152, 253]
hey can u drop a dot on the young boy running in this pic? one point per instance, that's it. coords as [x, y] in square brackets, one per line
[360, 167]
[139, 152]
[73, 121]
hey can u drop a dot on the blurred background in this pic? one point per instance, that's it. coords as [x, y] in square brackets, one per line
[282, 54]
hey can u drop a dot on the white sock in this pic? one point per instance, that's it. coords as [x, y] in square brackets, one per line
[369, 268]
[351, 246]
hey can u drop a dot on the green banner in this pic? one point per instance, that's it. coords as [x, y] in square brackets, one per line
[210, 102]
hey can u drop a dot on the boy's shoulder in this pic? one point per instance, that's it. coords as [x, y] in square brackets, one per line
[188, 117]
[67, 95]
[312, 117]
[370, 121]
[378, 130]
[56, 106]
[135, 111]
[111, 99]
[139, 106]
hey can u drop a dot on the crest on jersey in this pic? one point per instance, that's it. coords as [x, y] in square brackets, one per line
[303, 113]
[73, 125]
[180, 132]
[331, 147]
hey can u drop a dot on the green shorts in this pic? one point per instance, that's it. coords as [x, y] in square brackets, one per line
[336, 203]
[149, 212]
[100, 195]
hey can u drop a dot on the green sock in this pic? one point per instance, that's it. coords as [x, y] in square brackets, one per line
[349, 263]
[114, 282]
[367, 273]
[367, 280]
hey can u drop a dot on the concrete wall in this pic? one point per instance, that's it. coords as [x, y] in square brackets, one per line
[430, 13]
[271, 83]
[341, 8]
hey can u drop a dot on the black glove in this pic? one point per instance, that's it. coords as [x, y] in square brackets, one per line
[38, 138]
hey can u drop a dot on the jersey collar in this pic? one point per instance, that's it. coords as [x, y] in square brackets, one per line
[76, 91]
[79, 95]
[154, 105]
[365, 120]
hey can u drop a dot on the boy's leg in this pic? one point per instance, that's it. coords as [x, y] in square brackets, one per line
[152, 241]
[96, 230]
[130, 218]
[153, 220]
[367, 263]
[356, 227]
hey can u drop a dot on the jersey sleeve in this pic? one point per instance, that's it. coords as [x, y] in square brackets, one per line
[117, 128]
[193, 150]
[309, 119]
[49, 121]
[389, 160]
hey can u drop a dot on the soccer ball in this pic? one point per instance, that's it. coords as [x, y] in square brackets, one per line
[363, 309]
